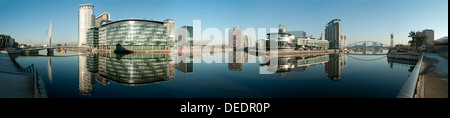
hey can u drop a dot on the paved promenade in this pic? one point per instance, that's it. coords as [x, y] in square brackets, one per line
[435, 74]
[13, 82]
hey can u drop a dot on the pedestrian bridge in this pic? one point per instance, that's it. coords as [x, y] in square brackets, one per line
[31, 51]
[367, 44]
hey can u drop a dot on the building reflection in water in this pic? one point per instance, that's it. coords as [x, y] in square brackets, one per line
[132, 69]
[183, 64]
[334, 65]
[85, 80]
[235, 60]
[297, 63]
[49, 69]
[369, 51]
[402, 64]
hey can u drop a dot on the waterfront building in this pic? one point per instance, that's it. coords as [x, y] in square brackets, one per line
[333, 32]
[285, 40]
[103, 18]
[235, 38]
[441, 44]
[247, 42]
[85, 21]
[170, 25]
[260, 44]
[392, 40]
[306, 43]
[184, 36]
[298, 34]
[92, 37]
[7, 41]
[133, 34]
[430, 38]
[102, 38]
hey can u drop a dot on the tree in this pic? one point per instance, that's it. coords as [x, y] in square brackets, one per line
[418, 39]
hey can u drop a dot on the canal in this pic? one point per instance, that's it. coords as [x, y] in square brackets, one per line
[70, 74]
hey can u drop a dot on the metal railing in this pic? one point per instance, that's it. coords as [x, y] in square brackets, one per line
[32, 70]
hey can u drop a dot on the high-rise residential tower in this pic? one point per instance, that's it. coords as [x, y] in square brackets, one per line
[86, 20]
[235, 36]
[170, 25]
[392, 40]
[103, 18]
[430, 38]
[333, 33]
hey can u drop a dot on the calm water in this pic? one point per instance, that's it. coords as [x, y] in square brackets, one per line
[159, 76]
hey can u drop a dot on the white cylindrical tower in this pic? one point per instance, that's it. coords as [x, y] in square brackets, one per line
[85, 21]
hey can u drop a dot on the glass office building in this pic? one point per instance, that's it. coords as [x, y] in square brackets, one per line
[92, 37]
[311, 44]
[133, 34]
[333, 33]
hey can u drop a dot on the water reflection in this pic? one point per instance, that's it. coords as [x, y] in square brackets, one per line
[85, 80]
[402, 63]
[334, 65]
[235, 60]
[184, 65]
[49, 69]
[369, 51]
[298, 63]
[115, 75]
[132, 69]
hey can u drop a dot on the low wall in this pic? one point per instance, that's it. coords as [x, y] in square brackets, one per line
[409, 88]
[410, 56]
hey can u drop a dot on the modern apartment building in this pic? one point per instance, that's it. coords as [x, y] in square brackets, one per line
[235, 38]
[430, 38]
[333, 32]
[85, 21]
[103, 18]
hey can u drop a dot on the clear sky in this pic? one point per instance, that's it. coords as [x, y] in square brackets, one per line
[372, 20]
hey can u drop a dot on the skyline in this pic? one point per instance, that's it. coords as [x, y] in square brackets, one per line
[368, 20]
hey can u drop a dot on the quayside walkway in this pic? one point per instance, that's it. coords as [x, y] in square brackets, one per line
[14, 83]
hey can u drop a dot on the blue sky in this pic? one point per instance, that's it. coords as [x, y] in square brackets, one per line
[374, 20]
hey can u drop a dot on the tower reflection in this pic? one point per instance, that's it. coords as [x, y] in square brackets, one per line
[333, 66]
[235, 60]
[85, 80]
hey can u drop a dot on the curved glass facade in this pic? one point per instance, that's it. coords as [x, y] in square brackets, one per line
[137, 69]
[136, 35]
[285, 41]
[303, 43]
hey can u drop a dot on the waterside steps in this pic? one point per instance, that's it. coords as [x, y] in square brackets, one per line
[18, 82]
